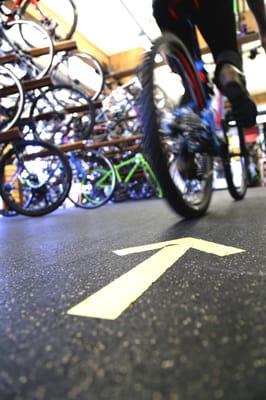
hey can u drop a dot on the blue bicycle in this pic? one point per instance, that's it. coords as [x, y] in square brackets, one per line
[186, 129]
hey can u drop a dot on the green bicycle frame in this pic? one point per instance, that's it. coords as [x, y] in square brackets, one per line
[137, 161]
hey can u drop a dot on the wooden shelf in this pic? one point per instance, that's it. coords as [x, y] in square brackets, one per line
[121, 74]
[27, 85]
[94, 146]
[11, 134]
[81, 145]
[68, 110]
[9, 58]
[66, 45]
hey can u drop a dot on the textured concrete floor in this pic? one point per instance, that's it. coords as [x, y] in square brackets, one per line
[198, 333]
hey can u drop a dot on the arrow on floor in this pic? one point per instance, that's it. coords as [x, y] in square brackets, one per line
[112, 300]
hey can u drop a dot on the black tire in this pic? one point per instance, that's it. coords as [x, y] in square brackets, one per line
[35, 178]
[61, 114]
[162, 146]
[89, 187]
[236, 163]
[57, 32]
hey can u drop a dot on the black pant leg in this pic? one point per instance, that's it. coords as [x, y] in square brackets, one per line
[178, 25]
[216, 22]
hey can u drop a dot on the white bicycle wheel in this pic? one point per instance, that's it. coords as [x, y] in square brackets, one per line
[81, 70]
[23, 38]
[11, 99]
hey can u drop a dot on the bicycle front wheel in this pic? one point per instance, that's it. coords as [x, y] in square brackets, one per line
[93, 181]
[35, 178]
[171, 126]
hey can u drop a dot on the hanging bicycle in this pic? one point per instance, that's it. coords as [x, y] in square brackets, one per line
[57, 28]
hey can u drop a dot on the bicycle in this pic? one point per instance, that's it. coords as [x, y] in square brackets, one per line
[57, 29]
[97, 178]
[134, 178]
[89, 168]
[35, 177]
[182, 138]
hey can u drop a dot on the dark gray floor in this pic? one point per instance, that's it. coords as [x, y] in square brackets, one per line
[198, 333]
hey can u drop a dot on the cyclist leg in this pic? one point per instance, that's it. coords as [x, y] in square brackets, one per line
[171, 16]
[176, 17]
[216, 21]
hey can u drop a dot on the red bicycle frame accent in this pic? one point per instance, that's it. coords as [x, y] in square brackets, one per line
[197, 89]
[174, 3]
[18, 3]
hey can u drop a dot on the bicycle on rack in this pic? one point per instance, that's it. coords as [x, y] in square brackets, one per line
[19, 40]
[118, 116]
[58, 29]
[61, 114]
[183, 137]
[35, 177]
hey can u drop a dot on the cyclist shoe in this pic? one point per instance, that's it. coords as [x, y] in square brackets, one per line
[231, 81]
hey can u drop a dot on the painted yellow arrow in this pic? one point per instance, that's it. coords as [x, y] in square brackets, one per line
[110, 301]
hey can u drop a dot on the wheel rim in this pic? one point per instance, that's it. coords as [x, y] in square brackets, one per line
[28, 35]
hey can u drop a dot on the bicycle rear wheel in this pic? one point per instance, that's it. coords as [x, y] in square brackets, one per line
[236, 162]
[171, 127]
[93, 181]
[35, 178]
